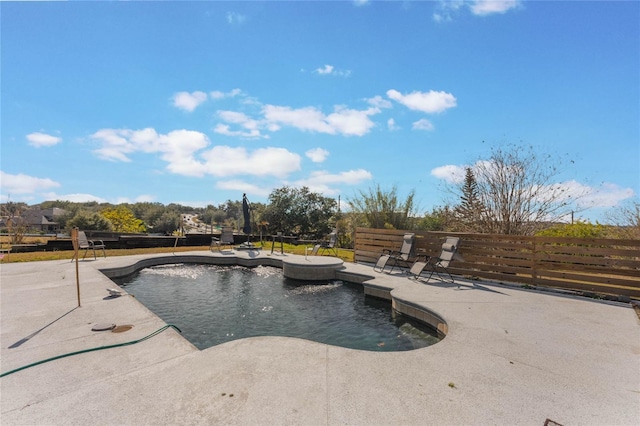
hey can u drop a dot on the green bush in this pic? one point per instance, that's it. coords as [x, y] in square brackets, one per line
[578, 229]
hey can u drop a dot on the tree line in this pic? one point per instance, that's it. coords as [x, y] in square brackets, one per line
[511, 192]
[293, 211]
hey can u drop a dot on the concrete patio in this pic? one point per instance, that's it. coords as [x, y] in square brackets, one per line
[511, 356]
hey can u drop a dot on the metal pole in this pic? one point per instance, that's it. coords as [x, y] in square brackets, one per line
[74, 241]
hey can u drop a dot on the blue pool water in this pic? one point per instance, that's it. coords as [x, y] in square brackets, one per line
[216, 304]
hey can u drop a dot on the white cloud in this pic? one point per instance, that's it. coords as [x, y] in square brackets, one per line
[235, 18]
[225, 129]
[180, 147]
[430, 102]
[349, 122]
[446, 9]
[188, 101]
[317, 155]
[331, 70]
[308, 118]
[327, 69]
[352, 122]
[570, 192]
[391, 125]
[350, 177]
[242, 186]
[237, 118]
[252, 126]
[323, 182]
[379, 102]
[606, 195]
[360, 2]
[449, 173]
[24, 184]
[488, 7]
[216, 94]
[177, 148]
[38, 139]
[439, 17]
[422, 124]
[75, 198]
[342, 121]
[228, 161]
[115, 145]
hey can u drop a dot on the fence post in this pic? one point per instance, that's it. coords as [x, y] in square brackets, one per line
[534, 267]
[355, 242]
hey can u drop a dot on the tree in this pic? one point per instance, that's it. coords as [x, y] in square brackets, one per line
[167, 223]
[207, 216]
[626, 219]
[439, 219]
[16, 224]
[299, 211]
[578, 229]
[89, 221]
[11, 208]
[232, 210]
[346, 227]
[61, 204]
[148, 212]
[469, 212]
[123, 220]
[518, 193]
[378, 208]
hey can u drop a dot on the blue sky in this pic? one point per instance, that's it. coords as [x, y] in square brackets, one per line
[198, 102]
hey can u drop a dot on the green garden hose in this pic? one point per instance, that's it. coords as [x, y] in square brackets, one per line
[160, 330]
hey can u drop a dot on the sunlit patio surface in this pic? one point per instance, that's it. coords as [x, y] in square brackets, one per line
[510, 356]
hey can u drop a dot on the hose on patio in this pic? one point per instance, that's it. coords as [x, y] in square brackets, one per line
[99, 348]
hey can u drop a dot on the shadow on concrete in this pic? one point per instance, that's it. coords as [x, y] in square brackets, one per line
[461, 285]
[26, 339]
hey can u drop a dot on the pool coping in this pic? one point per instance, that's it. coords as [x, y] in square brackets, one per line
[511, 356]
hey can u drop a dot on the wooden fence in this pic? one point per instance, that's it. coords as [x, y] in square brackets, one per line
[587, 265]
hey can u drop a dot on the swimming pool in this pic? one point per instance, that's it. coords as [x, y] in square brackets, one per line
[216, 304]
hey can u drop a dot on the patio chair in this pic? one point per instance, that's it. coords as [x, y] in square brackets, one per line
[391, 258]
[328, 245]
[438, 265]
[226, 239]
[86, 244]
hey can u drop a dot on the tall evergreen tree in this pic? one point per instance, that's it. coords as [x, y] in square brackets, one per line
[470, 210]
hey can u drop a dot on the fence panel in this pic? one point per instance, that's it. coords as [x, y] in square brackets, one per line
[595, 265]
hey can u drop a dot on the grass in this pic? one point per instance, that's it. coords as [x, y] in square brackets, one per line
[36, 256]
